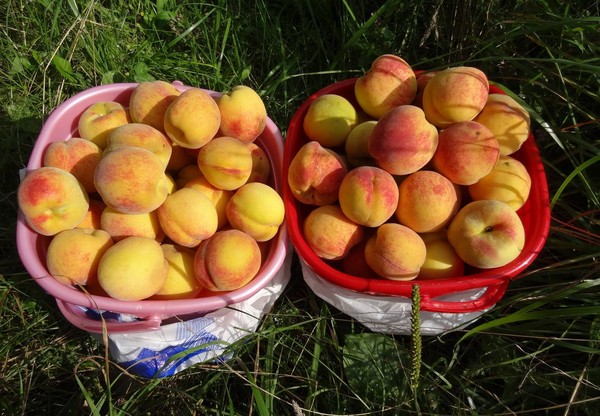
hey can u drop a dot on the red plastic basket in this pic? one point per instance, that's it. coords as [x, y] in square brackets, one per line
[535, 215]
[73, 302]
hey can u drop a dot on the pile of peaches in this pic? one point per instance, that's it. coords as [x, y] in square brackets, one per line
[414, 175]
[166, 197]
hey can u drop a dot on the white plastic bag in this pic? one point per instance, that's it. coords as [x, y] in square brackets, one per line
[176, 346]
[390, 314]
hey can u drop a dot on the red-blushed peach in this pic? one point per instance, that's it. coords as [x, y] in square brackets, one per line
[507, 119]
[389, 82]
[403, 141]
[187, 173]
[355, 263]
[149, 102]
[243, 114]
[329, 233]
[75, 155]
[218, 197]
[315, 174]
[120, 225]
[181, 281]
[256, 209]
[467, 151]
[225, 162]
[368, 195]
[329, 119]
[395, 252]
[180, 158]
[188, 217]
[509, 181]
[52, 200]
[261, 165]
[441, 260]
[132, 180]
[356, 146]
[73, 255]
[192, 119]
[133, 269]
[455, 94]
[427, 201]
[101, 118]
[140, 135]
[94, 214]
[229, 260]
[487, 234]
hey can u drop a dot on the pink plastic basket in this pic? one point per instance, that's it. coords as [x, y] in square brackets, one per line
[535, 215]
[147, 314]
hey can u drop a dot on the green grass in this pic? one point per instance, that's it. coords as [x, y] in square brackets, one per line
[535, 352]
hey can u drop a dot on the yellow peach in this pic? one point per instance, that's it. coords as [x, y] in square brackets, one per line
[187, 173]
[329, 119]
[180, 158]
[133, 269]
[75, 155]
[52, 200]
[368, 195]
[132, 180]
[218, 197]
[330, 234]
[389, 82]
[93, 215]
[243, 114]
[256, 209]
[315, 174]
[441, 261]
[192, 119]
[120, 225]
[395, 252]
[427, 201]
[356, 146]
[149, 102]
[140, 135]
[181, 281]
[73, 255]
[261, 165]
[188, 217]
[229, 260]
[101, 118]
[225, 162]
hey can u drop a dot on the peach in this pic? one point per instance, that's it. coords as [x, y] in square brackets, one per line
[181, 281]
[487, 234]
[441, 261]
[218, 197]
[73, 255]
[315, 174]
[101, 118]
[329, 119]
[422, 79]
[243, 114]
[356, 146]
[403, 141]
[132, 180]
[395, 252]
[120, 225]
[187, 173]
[427, 201]
[507, 119]
[93, 215]
[509, 181]
[261, 166]
[330, 234]
[180, 158]
[149, 102]
[133, 269]
[368, 195]
[256, 209]
[225, 162]
[192, 119]
[229, 260]
[140, 135]
[467, 151]
[455, 94]
[76, 155]
[52, 200]
[188, 217]
[389, 82]
[355, 263]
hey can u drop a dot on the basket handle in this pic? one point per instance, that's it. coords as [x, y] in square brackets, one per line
[78, 318]
[493, 293]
